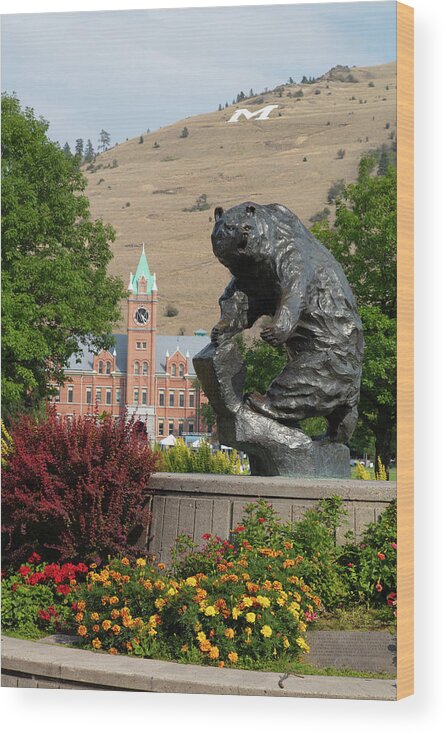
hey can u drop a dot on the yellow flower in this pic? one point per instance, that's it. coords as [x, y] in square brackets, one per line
[94, 616]
[106, 625]
[288, 545]
[114, 613]
[191, 581]
[201, 637]
[141, 562]
[154, 619]
[107, 583]
[286, 643]
[302, 626]
[116, 629]
[263, 601]
[184, 648]
[113, 600]
[152, 632]
[248, 631]
[205, 645]
[229, 632]
[125, 561]
[301, 642]
[211, 611]
[82, 630]
[233, 657]
[266, 631]
[247, 602]
[281, 601]
[160, 603]
[214, 652]
[172, 592]
[96, 643]
[147, 584]
[235, 612]
[250, 617]
[159, 585]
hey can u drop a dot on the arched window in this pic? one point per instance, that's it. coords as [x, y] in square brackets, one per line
[174, 370]
[136, 368]
[181, 370]
[145, 368]
[100, 367]
[108, 368]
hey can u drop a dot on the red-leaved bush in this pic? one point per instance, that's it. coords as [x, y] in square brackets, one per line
[74, 491]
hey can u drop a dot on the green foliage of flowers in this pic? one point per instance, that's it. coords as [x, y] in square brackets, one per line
[370, 567]
[181, 458]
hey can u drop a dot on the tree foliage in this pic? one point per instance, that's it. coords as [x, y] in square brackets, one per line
[56, 291]
[364, 240]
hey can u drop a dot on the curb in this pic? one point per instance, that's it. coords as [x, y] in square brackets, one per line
[41, 665]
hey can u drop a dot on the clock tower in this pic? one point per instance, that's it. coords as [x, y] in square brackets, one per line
[141, 332]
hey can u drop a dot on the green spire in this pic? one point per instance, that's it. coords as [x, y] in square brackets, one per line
[143, 270]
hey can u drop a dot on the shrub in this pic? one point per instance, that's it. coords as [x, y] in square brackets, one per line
[371, 84]
[335, 190]
[141, 140]
[200, 205]
[320, 216]
[184, 133]
[73, 490]
[361, 472]
[341, 152]
[171, 310]
[181, 458]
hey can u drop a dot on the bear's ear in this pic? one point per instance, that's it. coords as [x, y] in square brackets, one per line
[251, 210]
[218, 213]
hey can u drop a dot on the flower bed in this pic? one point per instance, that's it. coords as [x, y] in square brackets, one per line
[235, 602]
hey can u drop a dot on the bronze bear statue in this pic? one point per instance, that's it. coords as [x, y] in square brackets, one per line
[280, 270]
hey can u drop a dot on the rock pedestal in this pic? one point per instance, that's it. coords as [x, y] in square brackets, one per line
[273, 449]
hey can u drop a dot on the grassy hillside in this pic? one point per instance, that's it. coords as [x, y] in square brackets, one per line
[148, 191]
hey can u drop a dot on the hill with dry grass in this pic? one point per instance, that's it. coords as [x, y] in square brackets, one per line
[163, 190]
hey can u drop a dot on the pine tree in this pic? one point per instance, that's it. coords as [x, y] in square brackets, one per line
[67, 150]
[89, 152]
[104, 140]
[79, 148]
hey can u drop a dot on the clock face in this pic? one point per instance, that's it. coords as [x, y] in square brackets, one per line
[141, 316]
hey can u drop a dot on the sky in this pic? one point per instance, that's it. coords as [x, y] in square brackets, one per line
[127, 71]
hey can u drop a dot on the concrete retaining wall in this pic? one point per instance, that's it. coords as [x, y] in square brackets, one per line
[195, 504]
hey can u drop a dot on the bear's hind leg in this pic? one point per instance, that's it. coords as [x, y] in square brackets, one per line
[341, 424]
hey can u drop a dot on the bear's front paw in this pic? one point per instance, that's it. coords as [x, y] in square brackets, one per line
[274, 335]
[222, 327]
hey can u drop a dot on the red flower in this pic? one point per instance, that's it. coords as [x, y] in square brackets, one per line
[14, 587]
[262, 519]
[51, 611]
[379, 587]
[35, 578]
[74, 606]
[391, 599]
[350, 565]
[239, 529]
[34, 558]
[206, 536]
[44, 615]
[24, 570]
[394, 546]
[381, 556]
[82, 568]
[63, 589]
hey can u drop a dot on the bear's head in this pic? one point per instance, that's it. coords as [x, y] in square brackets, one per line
[238, 233]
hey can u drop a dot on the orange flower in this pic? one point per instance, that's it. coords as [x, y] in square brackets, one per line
[184, 648]
[220, 664]
[214, 652]
[233, 657]
[229, 632]
[129, 646]
[288, 563]
[106, 625]
[161, 566]
[114, 613]
[113, 600]
[94, 616]
[96, 628]
[81, 605]
[96, 643]
[125, 561]
[116, 629]
[82, 630]
[251, 587]
[113, 651]
[205, 645]
[79, 616]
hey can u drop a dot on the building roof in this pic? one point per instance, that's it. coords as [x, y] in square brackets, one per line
[190, 345]
[142, 271]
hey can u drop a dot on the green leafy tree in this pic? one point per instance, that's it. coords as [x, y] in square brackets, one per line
[364, 240]
[56, 291]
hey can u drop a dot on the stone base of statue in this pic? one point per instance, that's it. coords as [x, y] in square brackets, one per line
[273, 448]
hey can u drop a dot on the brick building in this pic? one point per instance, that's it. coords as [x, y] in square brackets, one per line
[145, 374]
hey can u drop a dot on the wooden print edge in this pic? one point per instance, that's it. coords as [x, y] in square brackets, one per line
[405, 350]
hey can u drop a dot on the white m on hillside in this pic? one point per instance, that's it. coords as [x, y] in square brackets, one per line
[262, 114]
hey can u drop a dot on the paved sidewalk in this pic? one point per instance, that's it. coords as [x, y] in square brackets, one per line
[43, 665]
